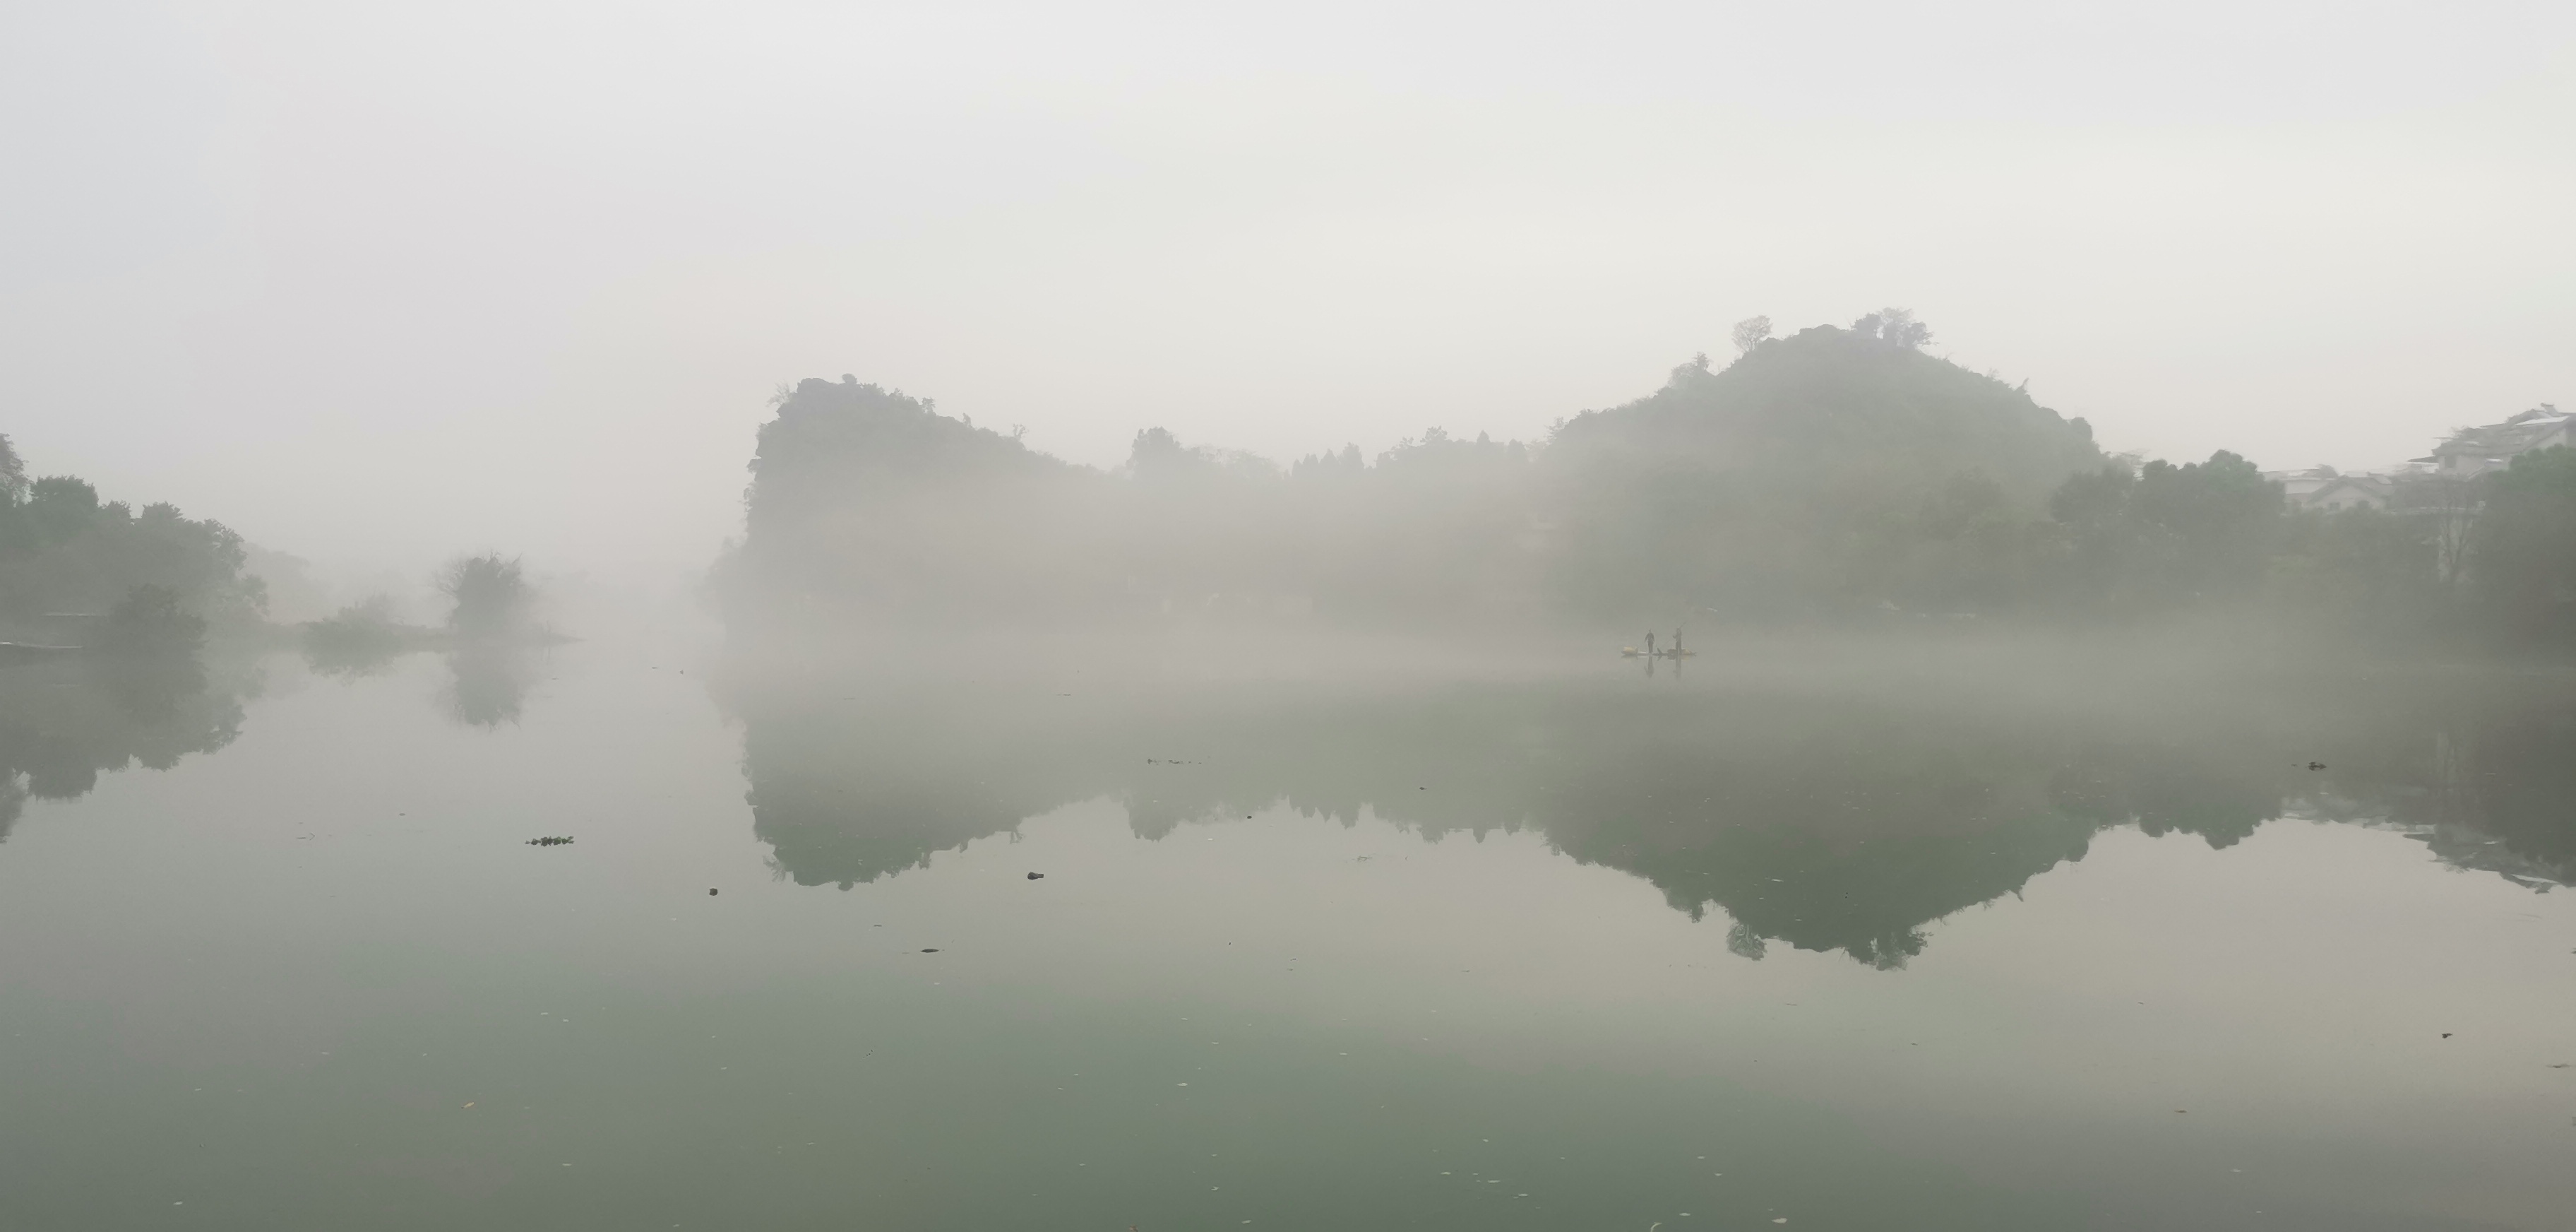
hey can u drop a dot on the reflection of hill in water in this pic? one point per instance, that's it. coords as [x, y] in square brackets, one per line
[488, 680]
[488, 683]
[62, 723]
[1829, 818]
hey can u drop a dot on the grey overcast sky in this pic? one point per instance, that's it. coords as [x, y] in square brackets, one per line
[381, 282]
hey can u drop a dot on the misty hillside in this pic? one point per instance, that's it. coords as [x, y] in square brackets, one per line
[1831, 409]
[1829, 471]
[866, 499]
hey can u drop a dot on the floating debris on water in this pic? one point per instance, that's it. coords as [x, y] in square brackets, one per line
[551, 840]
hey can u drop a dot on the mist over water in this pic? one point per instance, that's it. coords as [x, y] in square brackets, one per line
[1010, 617]
[1956, 931]
[1826, 790]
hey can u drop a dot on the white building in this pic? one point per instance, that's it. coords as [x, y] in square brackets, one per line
[2299, 484]
[2324, 487]
[2474, 451]
[2469, 453]
[2352, 492]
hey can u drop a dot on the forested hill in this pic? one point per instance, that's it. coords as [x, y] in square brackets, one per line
[1836, 474]
[835, 445]
[1829, 469]
[865, 499]
[1832, 469]
[1830, 409]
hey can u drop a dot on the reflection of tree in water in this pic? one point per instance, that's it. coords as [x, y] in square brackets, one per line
[487, 679]
[353, 655]
[150, 690]
[2486, 781]
[1827, 821]
[488, 683]
[2520, 784]
[63, 723]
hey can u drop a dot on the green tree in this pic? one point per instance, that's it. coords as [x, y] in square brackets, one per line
[2217, 522]
[360, 639]
[2522, 549]
[59, 507]
[63, 550]
[2361, 570]
[1896, 325]
[492, 598]
[2164, 536]
[13, 473]
[152, 621]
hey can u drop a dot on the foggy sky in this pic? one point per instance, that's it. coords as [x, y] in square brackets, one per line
[381, 284]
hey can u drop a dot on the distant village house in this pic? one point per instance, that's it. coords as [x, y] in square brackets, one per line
[2472, 452]
[2467, 454]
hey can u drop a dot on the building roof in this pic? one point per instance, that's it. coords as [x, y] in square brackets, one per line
[2525, 431]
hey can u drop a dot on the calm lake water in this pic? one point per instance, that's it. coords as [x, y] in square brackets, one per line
[1821, 945]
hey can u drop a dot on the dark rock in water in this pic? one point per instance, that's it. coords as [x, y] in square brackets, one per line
[711, 893]
[1036, 876]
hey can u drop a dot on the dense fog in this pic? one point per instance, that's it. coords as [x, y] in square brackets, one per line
[1838, 478]
[376, 285]
[1453, 616]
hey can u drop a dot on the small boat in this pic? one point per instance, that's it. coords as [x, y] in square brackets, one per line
[1653, 651]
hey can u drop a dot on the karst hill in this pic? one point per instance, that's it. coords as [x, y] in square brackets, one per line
[1831, 470]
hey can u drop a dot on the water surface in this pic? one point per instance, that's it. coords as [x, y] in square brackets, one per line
[1812, 944]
